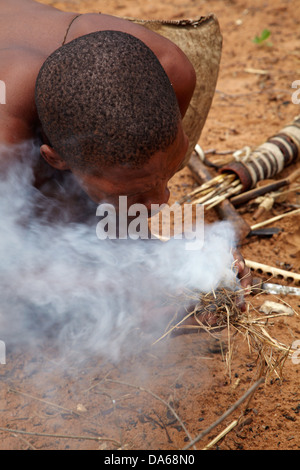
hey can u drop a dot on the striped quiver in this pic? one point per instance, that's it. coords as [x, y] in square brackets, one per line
[270, 158]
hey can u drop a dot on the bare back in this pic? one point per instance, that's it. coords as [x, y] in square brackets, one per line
[30, 32]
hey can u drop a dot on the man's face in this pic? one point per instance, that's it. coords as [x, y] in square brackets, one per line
[147, 185]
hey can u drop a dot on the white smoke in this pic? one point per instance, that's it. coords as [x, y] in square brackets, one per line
[59, 280]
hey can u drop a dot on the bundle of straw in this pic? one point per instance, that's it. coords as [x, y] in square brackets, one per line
[223, 305]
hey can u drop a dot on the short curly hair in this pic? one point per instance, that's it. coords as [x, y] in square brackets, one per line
[104, 99]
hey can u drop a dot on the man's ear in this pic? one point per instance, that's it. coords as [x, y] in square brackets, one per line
[52, 157]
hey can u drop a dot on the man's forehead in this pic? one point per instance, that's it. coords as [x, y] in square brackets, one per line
[124, 179]
[158, 167]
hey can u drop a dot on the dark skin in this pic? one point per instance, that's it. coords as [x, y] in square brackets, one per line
[29, 33]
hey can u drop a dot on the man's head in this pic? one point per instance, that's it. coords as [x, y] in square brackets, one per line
[105, 102]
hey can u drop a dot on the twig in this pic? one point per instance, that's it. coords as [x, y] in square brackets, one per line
[256, 71]
[274, 219]
[229, 342]
[60, 436]
[227, 413]
[43, 401]
[25, 441]
[162, 424]
[174, 328]
[157, 398]
[221, 435]
[218, 152]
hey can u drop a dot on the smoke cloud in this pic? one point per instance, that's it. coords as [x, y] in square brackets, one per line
[59, 281]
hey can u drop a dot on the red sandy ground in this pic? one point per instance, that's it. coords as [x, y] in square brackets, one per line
[186, 371]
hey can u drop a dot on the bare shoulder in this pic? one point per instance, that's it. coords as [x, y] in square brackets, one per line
[91, 22]
[19, 68]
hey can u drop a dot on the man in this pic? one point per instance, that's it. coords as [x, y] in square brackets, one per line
[105, 95]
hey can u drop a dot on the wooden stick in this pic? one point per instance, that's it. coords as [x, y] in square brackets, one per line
[221, 435]
[59, 436]
[253, 193]
[227, 413]
[274, 219]
[46, 402]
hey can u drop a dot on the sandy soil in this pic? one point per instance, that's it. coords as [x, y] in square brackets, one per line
[40, 395]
